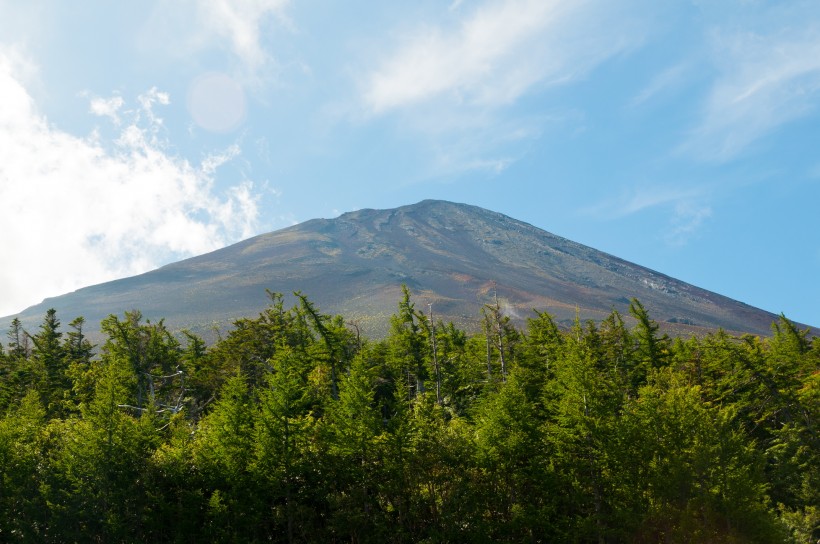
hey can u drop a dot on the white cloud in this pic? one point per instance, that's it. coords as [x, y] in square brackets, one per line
[184, 29]
[640, 199]
[497, 53]
[764, 82]
[686, 220]
[238, 23]
[76, 212]
[458, 84]
[668, 78]
[687, 208]
[107, 107]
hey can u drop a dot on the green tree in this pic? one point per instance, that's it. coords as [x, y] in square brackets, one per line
[582, 404]
[18, 340]
[152, 355]
[222, 452]
[18, 375]
[351, 426]
[252, 343]
[282, 428]
[514, 458]
[23, 511]
[335, 341]
[460, 377]
[698, 474]
[409, 348]
[651, 351]
[80, 370]
[616, 351]
[7, 389]
[98, 465]
[48, 360]
[77, 347]
[501, 338]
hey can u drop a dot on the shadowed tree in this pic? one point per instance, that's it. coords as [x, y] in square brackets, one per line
[352, 425]
[281, 441]
[152, 355]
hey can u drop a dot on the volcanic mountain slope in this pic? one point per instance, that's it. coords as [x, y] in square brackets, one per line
[453, 256]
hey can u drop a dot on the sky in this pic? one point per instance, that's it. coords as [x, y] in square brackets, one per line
[683, 136]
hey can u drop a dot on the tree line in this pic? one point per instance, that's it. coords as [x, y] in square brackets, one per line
[294, 428]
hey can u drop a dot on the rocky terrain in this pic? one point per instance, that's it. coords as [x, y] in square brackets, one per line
[454, 258]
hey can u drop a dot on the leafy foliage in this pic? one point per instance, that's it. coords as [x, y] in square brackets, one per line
[292, 428]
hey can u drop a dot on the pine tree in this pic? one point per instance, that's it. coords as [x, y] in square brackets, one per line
[651, 351]
[281, 437]
[699, 476]
[222, 452]
[501, 338]
[152, 355]
[49, 361]
[408, 345]
[514, 460]
[18, 343]
[351, 425]
[23, 509]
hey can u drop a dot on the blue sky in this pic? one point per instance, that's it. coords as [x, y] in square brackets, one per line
[682, 136]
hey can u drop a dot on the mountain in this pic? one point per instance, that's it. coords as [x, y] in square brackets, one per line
[455, 257]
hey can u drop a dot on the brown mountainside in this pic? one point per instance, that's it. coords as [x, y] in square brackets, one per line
[453, 256]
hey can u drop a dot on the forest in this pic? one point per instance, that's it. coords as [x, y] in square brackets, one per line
[293, 427]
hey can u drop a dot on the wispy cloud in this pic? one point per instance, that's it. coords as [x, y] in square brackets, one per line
[238, 24]
[496, 53]
[764, 82]
[687, 209]
[664, 81]
[458, 83]
[107, 107]
[185, 28]
[102, 211]
[686, 221]
[639, 199]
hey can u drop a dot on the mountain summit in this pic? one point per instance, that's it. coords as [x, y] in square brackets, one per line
[454, 257]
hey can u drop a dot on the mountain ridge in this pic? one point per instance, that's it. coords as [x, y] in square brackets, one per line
[450, 255]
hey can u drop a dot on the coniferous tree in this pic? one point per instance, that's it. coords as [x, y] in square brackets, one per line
[152, 355]
[501, 337]
[700, 476]
[352, 426]
[19, 375]
[77, 348]
[48, 361]
[7, 389]
[252, 343]
[24, 513]
[222, 451]
[99, 463]
[616, 354]
[408, 345]
[514, 459]
[651, 351]
[596, 434]
[583, 403]
[335, 347]
[18, 340]
[460, 376]
[282, 428]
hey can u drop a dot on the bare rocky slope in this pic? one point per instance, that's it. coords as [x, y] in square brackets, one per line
[453, 256]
